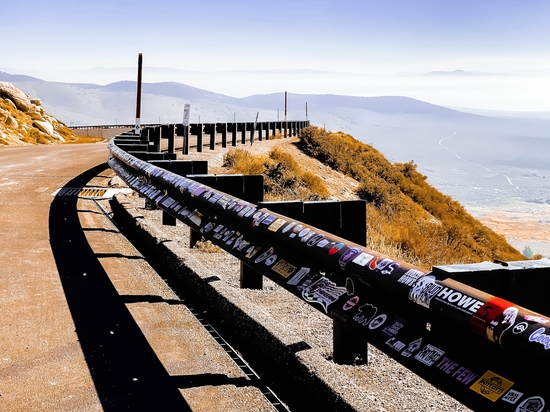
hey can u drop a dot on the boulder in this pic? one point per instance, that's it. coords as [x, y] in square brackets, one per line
[20, 99]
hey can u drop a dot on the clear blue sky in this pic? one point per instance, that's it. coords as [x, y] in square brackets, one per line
[361, 36]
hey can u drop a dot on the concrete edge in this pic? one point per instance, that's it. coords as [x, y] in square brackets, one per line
[270, 357]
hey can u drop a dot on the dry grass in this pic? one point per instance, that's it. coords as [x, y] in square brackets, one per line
[284, 179]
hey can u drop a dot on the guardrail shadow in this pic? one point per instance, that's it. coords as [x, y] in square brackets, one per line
[125, 370]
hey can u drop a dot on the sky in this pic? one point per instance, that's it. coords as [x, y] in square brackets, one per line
[377, 40]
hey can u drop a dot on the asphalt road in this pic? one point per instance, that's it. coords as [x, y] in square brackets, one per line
[86, 324]
[42, 366]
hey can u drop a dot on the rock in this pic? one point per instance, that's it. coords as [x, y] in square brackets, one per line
[20, 99]
[44, 126]
[24, 121]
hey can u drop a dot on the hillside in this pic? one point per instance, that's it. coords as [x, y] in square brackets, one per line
[406, 217]
[24, 121]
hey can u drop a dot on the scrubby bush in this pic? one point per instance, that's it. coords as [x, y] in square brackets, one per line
[284, 179]
[407, 218]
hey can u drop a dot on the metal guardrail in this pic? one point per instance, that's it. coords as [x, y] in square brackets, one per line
[484, 351]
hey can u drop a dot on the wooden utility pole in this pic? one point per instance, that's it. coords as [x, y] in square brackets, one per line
[285, 114]
[137, 129]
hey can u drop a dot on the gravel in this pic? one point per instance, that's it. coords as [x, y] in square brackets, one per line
[287, 334]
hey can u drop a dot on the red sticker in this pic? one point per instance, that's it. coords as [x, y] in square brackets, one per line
[493, 319]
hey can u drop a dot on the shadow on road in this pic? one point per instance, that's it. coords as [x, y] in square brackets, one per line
[126, 372]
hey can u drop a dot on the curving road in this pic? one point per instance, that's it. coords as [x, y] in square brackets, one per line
[86, 324]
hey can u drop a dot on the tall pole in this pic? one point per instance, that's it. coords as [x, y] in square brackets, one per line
[285, 114]
[306, 112]
[137, 130]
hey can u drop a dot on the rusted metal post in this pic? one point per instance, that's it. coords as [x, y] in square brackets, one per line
[137, 129]
[286, 125]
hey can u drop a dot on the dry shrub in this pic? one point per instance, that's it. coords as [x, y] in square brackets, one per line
[241, 161]
[407, 218]
[207, 246]
[284, 179]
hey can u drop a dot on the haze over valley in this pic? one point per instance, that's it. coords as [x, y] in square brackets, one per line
[495, 164]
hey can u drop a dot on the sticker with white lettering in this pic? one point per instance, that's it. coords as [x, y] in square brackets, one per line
[252, 250]
[284, 268]
[424, 290]
[532, 404]
[539, 336]
[350, 304]
[315, 240]
[459, 300]
[297, 278]
[264, 255]
[454, 369]
[534, 318]
[288, 227]
[323, 243]
[348, 255]
[429, 355]
[397, 345]
[378, 321]
[366, 313]
[271, 260]
[276, 225]
[410, 276]
[520, 328]
[491, 386]
[493, 318]
[363, 259]
[323, 291]
[393, 328]
[512, 396]
[412, 348]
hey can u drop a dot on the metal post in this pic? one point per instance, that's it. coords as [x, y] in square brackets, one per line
[171, 138]
[224, 134]
[199, 137]
[347, 348]
[285, 115]
[250, 279]
[137, 129]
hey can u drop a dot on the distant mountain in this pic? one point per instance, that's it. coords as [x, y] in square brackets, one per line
[482, 159]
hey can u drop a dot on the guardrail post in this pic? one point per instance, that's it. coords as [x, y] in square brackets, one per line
[250, 279]
[168, 219]
[222, 128]
[233, 134]
[194, 238]
[156, 139]
[347, 348]
[243, 132]
[212, 136]
[199, 137]
[260, 130]
[185, 148]
[171, 138]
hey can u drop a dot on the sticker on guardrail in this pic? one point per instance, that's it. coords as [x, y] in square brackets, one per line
[91, 192]
[491, 386]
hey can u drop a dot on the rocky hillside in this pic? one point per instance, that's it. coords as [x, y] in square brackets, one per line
[24, 121]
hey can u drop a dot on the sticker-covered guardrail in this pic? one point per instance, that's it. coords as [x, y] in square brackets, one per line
[484, 351]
